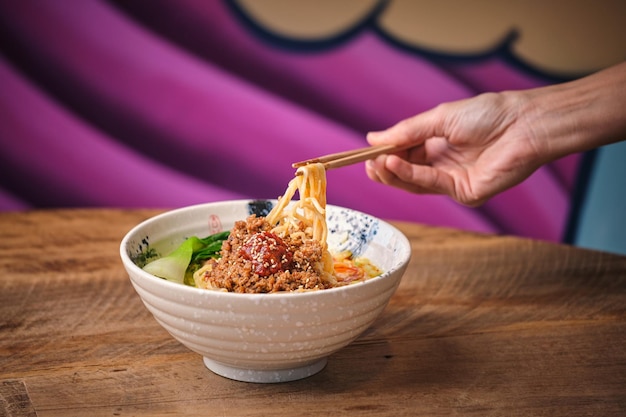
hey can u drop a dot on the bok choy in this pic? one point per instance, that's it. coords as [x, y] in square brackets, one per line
[180, 264]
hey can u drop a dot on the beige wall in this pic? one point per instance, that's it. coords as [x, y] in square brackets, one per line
[563, 36]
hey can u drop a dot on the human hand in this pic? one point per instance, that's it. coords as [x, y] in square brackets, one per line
[469, 150]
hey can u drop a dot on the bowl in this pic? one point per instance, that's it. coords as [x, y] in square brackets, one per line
[274, 337]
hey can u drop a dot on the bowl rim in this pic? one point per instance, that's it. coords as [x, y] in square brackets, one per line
[131, 266]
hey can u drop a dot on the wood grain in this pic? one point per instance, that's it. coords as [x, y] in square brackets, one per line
[480, 326]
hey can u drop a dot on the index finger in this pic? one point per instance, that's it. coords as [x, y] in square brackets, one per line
[413, 131]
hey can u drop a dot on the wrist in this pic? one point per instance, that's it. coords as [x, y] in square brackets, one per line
[578, 115]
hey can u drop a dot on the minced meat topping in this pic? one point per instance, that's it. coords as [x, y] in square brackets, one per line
[255, 260]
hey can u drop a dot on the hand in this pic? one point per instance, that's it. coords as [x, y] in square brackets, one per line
[473, 149]
[470, 149]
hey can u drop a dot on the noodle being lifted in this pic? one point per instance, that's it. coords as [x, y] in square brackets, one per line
[287, 250]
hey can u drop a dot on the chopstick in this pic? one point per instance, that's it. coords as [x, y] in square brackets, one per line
[341, 159]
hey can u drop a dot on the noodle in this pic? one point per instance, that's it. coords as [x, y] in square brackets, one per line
[310, 182]
[287, 250]
[308, 212]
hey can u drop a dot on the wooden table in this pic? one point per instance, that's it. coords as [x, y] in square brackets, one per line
[480, 326]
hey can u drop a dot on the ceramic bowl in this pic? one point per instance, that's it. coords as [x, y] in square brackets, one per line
[265, 337]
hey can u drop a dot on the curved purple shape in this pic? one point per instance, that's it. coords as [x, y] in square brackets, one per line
[9, 202]
[221, 114]
[57, 159]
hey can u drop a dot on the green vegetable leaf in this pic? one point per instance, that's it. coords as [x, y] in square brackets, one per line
[179, 265]
[217, 237]
[173, 266]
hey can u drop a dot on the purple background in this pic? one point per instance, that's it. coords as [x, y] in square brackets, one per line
[168, 103]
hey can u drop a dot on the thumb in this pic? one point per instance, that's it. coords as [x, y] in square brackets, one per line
[413, 131]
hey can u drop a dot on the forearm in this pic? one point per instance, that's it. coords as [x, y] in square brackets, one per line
[578, 115]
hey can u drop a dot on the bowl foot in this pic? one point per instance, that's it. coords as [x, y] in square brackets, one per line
[265, 376]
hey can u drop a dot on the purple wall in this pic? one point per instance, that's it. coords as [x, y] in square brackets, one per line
[164, 104]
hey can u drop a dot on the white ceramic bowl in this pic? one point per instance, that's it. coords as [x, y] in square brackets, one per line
[266, 337]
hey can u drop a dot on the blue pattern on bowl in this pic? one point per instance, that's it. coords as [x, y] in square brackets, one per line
[260, 207]
[349, 230]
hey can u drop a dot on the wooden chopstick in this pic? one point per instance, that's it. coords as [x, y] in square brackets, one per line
[341, 159]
